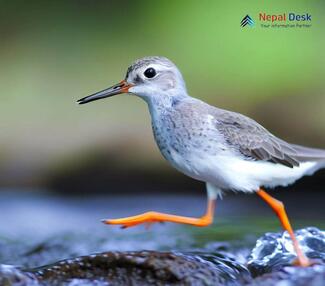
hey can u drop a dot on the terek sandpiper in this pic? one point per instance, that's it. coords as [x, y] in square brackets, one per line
[225, 149]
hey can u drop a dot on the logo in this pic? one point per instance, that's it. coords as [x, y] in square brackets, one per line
[285, 20]
[247, 20]
[275, 21]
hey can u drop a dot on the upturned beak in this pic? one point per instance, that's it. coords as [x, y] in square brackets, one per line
[121, 87]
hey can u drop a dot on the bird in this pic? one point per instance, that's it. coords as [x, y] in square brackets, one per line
[227, 150]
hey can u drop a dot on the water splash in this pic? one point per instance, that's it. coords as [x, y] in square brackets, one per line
[273, 251]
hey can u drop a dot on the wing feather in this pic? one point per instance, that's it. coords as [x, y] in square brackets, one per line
[253, 140]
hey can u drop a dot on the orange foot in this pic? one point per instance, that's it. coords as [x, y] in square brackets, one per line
[303, 261]
[153, 217]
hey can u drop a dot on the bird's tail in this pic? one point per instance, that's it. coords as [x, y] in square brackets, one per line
[306, 154]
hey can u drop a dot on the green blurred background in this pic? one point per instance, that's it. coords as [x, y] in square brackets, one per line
[55, 52]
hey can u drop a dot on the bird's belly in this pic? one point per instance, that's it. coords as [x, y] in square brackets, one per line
[202, 166]
[202, 162]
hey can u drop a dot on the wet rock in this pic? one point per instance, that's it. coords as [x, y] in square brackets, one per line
[273, 251]
[292, 276]
[146, 268]
[10, 275]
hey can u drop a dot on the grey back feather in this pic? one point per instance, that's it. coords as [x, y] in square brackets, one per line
[254, 141]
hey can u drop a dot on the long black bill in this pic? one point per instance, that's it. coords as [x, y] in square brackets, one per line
[121, 87]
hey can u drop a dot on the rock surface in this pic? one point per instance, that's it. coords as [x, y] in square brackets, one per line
[292, 276]
[146, 268]
[10, 275]
[133, 268]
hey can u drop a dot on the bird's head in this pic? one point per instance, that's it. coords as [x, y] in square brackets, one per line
[151, 78]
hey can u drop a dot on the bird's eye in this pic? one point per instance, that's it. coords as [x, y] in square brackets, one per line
[149, 73]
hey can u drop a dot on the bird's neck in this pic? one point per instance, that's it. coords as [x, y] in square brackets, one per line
[163, 102]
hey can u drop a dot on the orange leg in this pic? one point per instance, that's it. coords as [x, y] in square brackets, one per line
[152, 217]
[278, 208]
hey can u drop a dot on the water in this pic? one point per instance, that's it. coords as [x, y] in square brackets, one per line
[60, 234]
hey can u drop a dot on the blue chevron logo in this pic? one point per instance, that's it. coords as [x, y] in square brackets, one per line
[247, 20]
